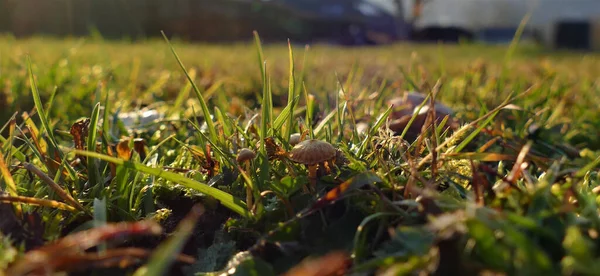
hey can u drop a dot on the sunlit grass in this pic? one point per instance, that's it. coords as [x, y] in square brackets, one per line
[512, 188]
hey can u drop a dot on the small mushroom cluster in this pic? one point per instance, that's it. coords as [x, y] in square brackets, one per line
[315, 154]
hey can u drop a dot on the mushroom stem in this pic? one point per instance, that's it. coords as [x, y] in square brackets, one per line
[249, 196]
[312, 177]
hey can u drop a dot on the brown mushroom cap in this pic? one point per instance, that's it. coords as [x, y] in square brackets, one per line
[312, 151]
[245, 154]
[295, 139]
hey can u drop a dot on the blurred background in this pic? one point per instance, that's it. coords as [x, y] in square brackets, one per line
[553, 23]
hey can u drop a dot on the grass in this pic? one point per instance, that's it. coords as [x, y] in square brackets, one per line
[512, 190]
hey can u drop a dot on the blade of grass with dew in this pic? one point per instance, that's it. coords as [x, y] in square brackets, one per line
[167, 251]
[10, 183]
[226, 199]
[209, 122]
[40, 109]
[93, 172]
[291, 94]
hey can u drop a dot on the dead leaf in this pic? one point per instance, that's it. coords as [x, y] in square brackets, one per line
[334, 263]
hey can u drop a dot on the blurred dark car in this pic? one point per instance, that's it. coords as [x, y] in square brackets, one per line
[350, 22]
[347, 22]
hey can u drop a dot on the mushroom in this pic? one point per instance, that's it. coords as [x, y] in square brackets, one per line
[244, 157]
[295, 139]
[314, 153]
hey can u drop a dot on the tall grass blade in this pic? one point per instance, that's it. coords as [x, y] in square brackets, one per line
[261, 58]
[291, 94]
[226, 199]
[40, 109]
[93, 172]
[10, 182]
[209, 122]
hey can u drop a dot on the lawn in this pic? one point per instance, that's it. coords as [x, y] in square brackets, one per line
[112, 161]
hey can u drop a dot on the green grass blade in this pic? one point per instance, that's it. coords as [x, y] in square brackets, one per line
[325, 121]
[9, 182]
[106, 118]
[40, 108]
[209, 122]
[93, 172]
[472, 136]
[309, 112]
[284, 115]
[291, 94]
[414, 116]
[261, 58]
[51, 100]
[226, 199]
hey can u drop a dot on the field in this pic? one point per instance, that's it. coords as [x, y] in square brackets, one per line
[507, 184]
